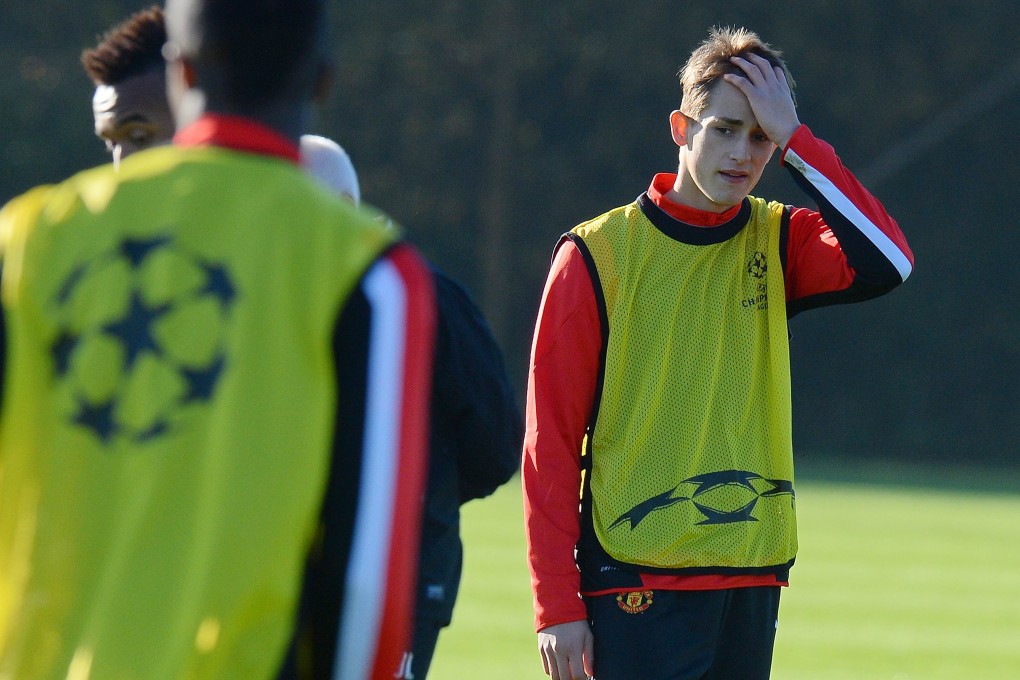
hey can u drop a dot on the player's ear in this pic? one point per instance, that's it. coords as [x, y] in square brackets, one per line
[679, 124]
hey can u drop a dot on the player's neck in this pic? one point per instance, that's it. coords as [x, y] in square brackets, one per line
[663, 194]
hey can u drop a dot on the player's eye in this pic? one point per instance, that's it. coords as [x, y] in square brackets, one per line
[140, 137]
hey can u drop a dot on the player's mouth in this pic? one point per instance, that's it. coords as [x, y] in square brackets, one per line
[733, 176]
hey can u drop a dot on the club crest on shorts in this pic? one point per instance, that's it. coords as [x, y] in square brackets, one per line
[634, 602]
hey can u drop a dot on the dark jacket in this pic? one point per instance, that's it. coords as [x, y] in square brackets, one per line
[476, 436]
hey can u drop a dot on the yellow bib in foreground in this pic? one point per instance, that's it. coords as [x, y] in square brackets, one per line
[160, 480]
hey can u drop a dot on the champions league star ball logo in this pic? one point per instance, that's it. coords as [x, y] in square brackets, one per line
[153, 347]
[723, 497]
[757, 265]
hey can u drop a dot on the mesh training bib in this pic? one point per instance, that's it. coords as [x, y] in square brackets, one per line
[160, 480]
[691, 461]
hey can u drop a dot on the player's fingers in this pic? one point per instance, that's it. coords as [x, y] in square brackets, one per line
[561, 668]
[741, 83]
[751, 70]
[545, 660]
[589, 655]
[576, 671]
[763, 65]
[781, 78]
[761, 73]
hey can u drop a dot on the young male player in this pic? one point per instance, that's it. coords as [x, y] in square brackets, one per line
[660, 389]
[129, 104]
[216, 377]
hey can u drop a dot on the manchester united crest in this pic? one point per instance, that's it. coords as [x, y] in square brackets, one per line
[634, 602]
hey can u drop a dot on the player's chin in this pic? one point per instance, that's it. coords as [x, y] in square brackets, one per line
[727, 197]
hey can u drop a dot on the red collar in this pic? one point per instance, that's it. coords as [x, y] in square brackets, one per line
[661, 185]
[241, 134]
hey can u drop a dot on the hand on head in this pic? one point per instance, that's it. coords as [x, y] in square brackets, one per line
[769, 95]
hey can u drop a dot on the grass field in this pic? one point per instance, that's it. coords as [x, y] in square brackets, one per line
[903, 574]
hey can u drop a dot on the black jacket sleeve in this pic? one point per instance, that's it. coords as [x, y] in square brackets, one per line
[475, 413]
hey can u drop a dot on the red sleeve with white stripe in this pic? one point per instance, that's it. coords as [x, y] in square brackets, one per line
[850, 249]
[377, 616]
[561, 391]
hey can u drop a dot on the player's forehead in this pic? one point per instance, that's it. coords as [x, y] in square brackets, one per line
[141, 97]
[728, 104]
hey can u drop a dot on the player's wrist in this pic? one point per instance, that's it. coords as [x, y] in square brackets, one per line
[782, 138]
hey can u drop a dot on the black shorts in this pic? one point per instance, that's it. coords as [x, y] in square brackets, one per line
[685, 634]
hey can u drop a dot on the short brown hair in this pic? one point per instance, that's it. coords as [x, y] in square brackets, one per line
[711, 60]
[130, 48]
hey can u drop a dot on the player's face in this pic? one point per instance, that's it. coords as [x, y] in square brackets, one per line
[724, 154]
[133, 114]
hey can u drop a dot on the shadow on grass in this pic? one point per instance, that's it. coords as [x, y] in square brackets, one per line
[984, 478]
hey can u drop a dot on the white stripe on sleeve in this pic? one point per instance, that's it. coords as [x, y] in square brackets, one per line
[845, 206]
[366, 580]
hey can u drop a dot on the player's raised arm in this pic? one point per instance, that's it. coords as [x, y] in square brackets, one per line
[848, 250]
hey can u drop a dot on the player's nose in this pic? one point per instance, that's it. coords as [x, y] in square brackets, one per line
[740, 151]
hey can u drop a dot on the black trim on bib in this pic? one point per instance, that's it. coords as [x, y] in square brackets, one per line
[688, 233]
[784, 237]
[600, 298]
[600, 379]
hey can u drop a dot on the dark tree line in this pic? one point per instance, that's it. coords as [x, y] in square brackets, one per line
[489, 128]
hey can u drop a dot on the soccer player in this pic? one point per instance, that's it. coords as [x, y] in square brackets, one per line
[659, 388]
[476, 427]
[130, 109]
[475, 433]
[213, 426]
[129, 104]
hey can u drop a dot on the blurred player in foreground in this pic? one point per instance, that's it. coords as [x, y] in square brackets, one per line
[476, 427]
[216, 378]
[661, 369]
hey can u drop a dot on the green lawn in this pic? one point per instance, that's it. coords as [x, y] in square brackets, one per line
[893, 582]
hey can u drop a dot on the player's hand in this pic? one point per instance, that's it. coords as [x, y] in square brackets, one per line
[567, 651]
[769, 95]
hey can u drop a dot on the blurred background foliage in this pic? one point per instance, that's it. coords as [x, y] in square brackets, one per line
[488, 128]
